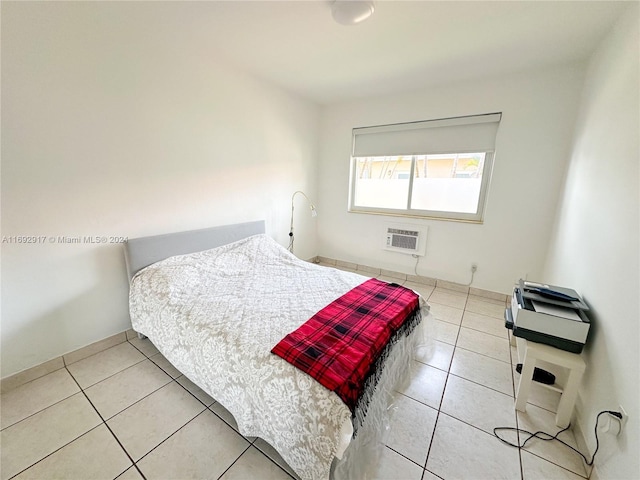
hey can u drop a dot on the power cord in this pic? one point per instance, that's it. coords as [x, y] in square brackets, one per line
[415, 267]
[537, 434]
[290, 247]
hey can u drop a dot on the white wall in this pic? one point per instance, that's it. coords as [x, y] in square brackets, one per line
[532, 147]
[111, 127]
[596, 242]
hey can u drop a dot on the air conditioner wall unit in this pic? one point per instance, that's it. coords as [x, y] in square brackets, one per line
[408, 239]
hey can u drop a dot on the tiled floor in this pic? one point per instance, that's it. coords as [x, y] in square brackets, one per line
[126, 413]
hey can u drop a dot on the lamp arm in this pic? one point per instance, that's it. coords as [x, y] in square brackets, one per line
[313, 213]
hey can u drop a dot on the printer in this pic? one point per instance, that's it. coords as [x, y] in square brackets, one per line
[548, 314]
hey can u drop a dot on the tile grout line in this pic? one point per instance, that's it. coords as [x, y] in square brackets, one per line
[483, 331]
[235, 461]
[41, 410]
[261, 452]
[487, 356]
[444, 388]
[205, 409]
[271, 459]
[482, 385]
[113, 374]
[168, 437]
[55, 451]
[404, 456]
[64, 361]
[109, 428]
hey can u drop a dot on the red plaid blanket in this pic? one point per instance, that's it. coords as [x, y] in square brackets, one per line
[341, 343]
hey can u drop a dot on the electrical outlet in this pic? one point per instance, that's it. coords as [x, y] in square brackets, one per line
[625, 417]
[474, 267]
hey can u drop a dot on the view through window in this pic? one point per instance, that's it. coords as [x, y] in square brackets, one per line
[442, 183]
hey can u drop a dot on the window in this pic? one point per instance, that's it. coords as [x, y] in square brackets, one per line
[438, 168]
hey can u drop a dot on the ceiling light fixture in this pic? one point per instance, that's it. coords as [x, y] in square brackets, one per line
[351, 12]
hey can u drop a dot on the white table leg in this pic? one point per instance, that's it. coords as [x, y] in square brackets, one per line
[526, 377]
[568, 398]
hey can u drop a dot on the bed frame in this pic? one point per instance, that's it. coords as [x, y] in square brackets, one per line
[142, 252]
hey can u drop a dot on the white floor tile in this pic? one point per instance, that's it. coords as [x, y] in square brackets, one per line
[485, 344]
[96, 368]
[95, 348]
[423, 290]
[196, 391]
[254, 464]
[131, 474]
[273, 454]
[165, 365]
[445, 313]
[479, 406]
[203, 448]
[147, 423]
[435, 353]
[94, 455]
[444, 331]
[144, 345]
[484, 370]
[393, 466]
[426, 384]
[484, 323]
[449, 298]
[476, 305]
[536, 468]
[123, 389]
[429, 476]
[39, 435]
[410, 428]
[36, 395]
[227, 417]
[462, 451]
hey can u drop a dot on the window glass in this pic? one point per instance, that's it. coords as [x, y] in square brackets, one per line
[450, 185]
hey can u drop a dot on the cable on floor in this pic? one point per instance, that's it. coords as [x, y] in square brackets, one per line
[549, 437]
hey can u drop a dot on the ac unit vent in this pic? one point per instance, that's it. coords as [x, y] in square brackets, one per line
[404, 241]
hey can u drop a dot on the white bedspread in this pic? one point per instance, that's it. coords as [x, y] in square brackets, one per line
[215, 315]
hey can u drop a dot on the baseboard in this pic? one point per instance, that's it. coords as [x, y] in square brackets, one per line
[30, 374]
[374, 271]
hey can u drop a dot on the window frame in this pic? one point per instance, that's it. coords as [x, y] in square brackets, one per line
[477, 217]
[453, 135]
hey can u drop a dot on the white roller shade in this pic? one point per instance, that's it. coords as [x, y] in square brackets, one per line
[475, 133]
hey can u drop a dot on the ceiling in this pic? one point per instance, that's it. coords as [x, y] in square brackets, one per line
[405, 45]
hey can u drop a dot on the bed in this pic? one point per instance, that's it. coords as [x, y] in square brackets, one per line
[216, 301]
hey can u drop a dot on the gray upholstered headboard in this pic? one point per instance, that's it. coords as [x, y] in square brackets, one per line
[142, 252]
